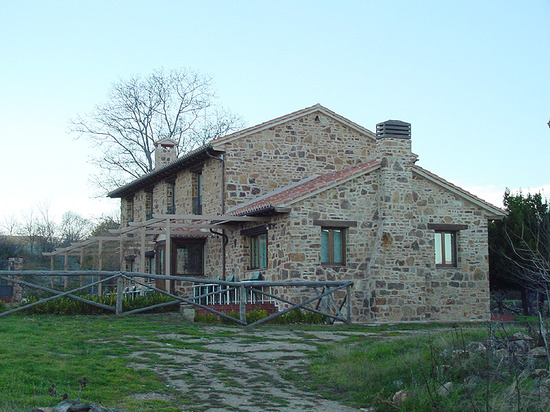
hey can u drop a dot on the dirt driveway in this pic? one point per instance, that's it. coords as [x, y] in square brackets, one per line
[234, 369]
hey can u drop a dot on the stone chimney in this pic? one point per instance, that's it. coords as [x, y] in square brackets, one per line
[165, 152]
[397, 226]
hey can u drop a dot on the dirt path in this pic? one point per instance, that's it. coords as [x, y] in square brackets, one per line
[230, 369]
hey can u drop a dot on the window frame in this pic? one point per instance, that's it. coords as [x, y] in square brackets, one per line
[258, 260]
[170, 197]
[332, 247]
[149, 199]
[130, 209]
[440, 230]
[197, 190]
[445, 249]
[255, 234]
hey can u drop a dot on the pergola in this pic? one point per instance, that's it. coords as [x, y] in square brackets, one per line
[143, 235]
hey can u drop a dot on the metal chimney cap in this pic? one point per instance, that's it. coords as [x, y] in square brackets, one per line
[393, 128]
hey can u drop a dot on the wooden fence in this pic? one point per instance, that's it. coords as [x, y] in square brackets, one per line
[323, 301]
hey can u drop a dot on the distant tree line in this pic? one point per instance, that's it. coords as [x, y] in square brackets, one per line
[37, 232]
[519, 255]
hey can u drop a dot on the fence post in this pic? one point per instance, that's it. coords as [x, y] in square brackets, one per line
[242, 303]
[348, 303]
[119, 288]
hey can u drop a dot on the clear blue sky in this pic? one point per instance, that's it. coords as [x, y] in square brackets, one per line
[472, 77]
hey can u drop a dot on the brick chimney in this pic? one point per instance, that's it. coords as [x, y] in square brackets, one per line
[165, 152]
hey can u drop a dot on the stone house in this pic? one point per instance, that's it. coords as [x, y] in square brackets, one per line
[314, 196]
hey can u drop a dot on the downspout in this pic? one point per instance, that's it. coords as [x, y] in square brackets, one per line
[222, 233]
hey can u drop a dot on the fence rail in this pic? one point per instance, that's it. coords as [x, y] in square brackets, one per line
[206, 292]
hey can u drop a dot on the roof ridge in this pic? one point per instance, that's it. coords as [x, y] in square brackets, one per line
[290, 116]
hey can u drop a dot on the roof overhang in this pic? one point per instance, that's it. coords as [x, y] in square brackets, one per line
[192, 158]
[493, 212]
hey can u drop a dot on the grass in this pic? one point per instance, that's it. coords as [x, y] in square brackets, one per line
[363, 371]
[367, 373]
[43, 350]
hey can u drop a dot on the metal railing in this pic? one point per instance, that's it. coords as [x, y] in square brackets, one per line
[214, 294]
[323, 298]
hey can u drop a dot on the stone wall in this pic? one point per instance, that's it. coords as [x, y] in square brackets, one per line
[273, 158]
[390, 251]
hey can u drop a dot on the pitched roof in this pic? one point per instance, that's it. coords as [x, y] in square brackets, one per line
[286, 196]
[215, 147]
[494, 212]
[288, 117]
[190, 158]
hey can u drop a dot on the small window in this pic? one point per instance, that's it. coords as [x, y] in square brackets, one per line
[130, 210]
[197, 193]
[445, 248]
[170, 198]
[148, 205]
[333, 246]
[258, 251]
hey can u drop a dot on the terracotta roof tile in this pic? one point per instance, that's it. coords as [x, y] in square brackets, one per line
[293, 192]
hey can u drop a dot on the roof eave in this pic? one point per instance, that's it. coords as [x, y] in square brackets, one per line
[493, 212]
[193, 157]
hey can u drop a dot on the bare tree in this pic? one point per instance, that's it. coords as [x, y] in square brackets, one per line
[10, 226]
[29, 229]
[46, 229]
[74, 228]
[178, 105]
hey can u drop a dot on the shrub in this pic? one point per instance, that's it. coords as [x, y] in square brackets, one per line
[205, 318]
[70, 306]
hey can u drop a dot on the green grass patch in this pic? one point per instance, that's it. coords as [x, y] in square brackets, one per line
[367, 372]
[39, 351]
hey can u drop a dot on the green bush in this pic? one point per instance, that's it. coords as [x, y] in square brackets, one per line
[3, 307]
[208, 318]
[297, 316]
[70, 306]
[255, 315]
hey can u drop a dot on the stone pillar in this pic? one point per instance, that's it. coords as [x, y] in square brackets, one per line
[16, 264]
[397, 284]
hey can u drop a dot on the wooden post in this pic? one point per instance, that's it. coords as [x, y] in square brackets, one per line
[168, 255]
[242, 303]
[100, 255]
[52, 263]
[348, 303]
[121, 250]
[142, 251]
[81, 266]
[65, 268]
[119, 289]
[100, 266]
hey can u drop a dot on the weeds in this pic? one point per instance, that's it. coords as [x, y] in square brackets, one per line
[461, 369]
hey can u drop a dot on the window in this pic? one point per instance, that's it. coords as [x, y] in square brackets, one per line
[197, 193]
[130, 210]
[258, 251]
[148, 205]
[189, 258]
[170, 198]
[445, 242]
[445, 248]
[333, 246]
